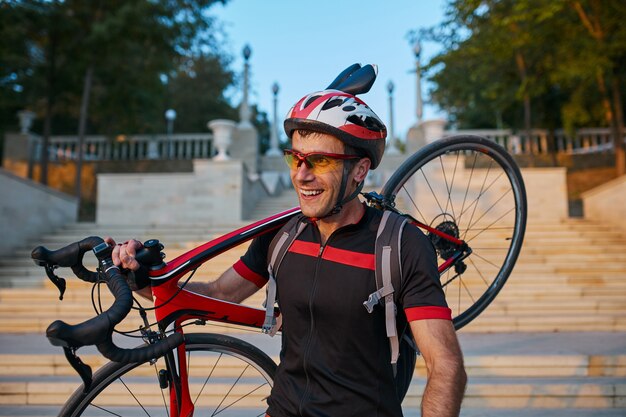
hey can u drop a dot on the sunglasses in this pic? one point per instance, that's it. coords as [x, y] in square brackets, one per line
[316, 162]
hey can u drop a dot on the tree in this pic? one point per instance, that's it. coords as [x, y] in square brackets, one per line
[100, 65]
[541, 63]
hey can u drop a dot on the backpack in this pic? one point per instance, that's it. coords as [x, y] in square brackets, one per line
[388, 274]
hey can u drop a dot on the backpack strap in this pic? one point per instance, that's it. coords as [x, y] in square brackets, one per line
[277, 251]
[388, 275]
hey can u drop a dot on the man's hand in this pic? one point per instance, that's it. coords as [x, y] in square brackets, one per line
[124, 253]
[123, 256]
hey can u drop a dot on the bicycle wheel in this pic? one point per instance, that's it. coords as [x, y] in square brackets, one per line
[227, 377]
[471, 188]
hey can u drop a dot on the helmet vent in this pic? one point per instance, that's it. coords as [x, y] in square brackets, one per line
[310, 100]
[368, 122]
[334, 102]
[349, 108]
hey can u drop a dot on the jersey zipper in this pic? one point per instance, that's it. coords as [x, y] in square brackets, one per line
[307, 348]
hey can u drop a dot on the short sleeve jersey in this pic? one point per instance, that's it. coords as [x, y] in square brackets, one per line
[335, 356]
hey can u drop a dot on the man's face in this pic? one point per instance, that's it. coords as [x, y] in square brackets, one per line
[317, 192]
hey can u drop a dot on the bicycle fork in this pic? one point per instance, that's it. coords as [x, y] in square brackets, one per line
[176, 379]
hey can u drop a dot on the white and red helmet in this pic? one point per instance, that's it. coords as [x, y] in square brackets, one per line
[343, 115]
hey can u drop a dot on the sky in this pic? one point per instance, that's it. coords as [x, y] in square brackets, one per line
[303, 45]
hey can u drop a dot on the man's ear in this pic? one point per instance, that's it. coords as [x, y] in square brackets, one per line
[361, 169]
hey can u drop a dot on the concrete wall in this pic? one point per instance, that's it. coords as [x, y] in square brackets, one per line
[214, 193]
[546, 192]
[607, 203]
[28, 209]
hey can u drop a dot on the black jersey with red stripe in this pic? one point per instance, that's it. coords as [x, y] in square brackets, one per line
[335, 356]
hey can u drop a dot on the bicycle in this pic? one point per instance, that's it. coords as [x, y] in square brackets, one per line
[471, 203]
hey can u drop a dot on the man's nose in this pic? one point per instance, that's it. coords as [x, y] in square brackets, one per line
[304, 173]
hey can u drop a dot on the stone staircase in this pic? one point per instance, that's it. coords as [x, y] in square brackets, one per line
[553, 341]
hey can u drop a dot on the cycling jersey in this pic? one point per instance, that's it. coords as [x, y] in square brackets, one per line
[334, 358]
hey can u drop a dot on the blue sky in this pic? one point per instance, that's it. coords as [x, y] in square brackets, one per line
[304, 45]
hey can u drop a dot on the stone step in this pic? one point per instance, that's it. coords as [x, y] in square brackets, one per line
[482, 392]
[501, 365]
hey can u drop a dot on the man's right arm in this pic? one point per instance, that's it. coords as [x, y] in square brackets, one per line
[230, 286]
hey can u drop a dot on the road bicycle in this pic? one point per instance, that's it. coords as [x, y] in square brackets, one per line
[465, 193]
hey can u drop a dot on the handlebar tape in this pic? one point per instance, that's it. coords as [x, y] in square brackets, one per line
[69, 256]
[97, 329]
[142, 354]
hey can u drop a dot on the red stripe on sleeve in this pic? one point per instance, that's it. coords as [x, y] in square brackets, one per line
[305, 248]
[346, 257]
[243, 270]
[428, 312]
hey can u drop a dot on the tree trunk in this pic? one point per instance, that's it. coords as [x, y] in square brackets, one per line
[521, 67]
[50, 98]
[618, 134]
[82, 124]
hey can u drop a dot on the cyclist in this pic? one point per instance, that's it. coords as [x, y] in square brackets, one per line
[334, 359]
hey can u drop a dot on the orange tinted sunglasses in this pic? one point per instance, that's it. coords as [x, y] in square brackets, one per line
[316, 162]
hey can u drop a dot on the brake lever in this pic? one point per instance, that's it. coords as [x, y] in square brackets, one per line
[84, 371]
[59, 282]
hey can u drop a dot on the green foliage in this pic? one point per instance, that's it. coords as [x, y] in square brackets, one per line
[499, 53]
[47, 46]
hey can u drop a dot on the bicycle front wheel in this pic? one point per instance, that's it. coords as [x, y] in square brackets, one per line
[227, 377]
[471, 188]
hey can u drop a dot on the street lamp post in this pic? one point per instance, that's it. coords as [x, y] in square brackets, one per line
[244, 109]
[26, 118]
[391, 142]
[274, 150]
[170, 116]
[417, 51]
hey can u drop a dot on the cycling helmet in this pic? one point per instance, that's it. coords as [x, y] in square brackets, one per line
[338, 112]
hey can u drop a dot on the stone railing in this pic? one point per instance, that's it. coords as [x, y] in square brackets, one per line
[588, 140]
[132, 147]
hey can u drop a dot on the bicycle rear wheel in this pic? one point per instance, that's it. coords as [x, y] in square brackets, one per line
[471, 188]
[227, 377]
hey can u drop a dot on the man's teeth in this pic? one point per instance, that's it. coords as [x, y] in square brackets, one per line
[310, 192]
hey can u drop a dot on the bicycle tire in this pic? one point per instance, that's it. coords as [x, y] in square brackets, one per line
[205, 352]
[431, 174]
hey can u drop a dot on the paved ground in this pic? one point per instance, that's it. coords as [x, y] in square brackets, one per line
[586, 343]
[37, 411]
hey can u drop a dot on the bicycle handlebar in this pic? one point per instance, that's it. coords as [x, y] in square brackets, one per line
[98, 330]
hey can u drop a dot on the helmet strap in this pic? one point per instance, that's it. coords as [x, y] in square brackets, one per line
[342, 189]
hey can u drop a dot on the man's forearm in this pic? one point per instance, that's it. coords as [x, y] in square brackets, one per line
[444, 392]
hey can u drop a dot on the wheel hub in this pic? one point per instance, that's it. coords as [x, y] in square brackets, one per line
[444, 247]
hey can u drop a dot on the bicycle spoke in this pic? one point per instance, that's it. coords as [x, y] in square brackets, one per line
[486, 260]
[432, 191]
[136, 399]
[487, 227]
[469, 181]
[479, 195]
[448, 187]
[215, 412]
[105, 410]
[241, 398]
[415, 205]
[480, 274]
[207, 378]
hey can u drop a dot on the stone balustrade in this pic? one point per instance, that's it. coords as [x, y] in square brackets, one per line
[123, 147]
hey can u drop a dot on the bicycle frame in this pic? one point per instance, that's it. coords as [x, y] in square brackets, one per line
[174, 306]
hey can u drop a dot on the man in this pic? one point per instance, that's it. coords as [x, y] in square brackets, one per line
[334, 355]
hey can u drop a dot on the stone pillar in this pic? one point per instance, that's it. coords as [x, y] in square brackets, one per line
[245, 146]
[423, 133]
